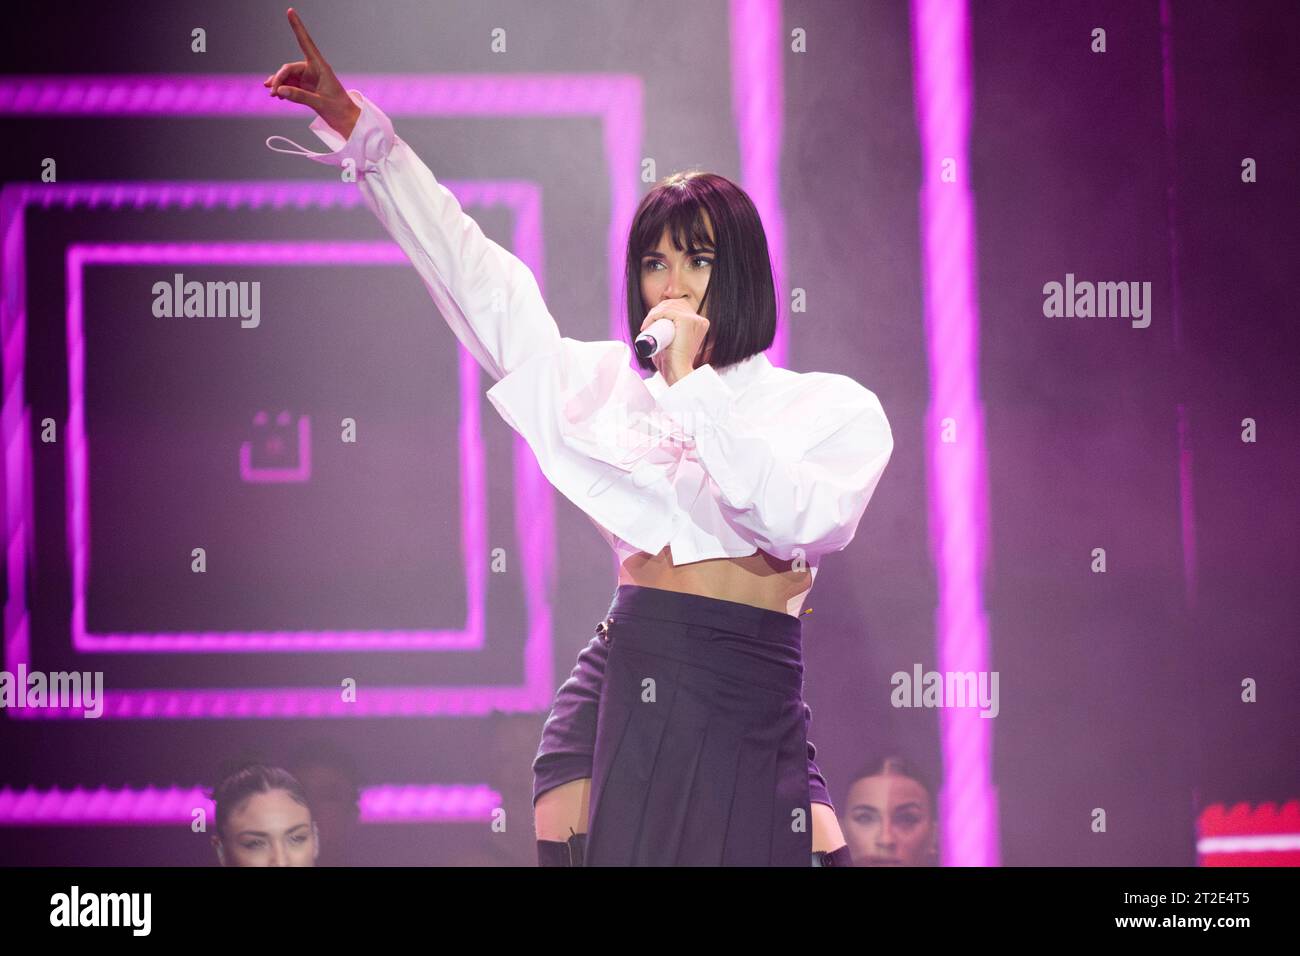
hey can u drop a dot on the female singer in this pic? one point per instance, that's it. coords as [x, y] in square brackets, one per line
[681, 735]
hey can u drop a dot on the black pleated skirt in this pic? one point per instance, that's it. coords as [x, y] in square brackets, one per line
[698, 755]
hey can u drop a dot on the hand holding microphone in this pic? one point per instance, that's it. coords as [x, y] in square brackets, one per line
[656, 338]
[671, 335]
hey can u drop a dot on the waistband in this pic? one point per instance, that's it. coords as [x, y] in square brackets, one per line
[661, 605]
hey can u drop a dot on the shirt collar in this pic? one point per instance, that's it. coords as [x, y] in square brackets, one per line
[738, 376]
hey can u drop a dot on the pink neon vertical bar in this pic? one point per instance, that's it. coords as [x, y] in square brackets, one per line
[534, 503]
[956, 487]
[758, 102]
[16, 424]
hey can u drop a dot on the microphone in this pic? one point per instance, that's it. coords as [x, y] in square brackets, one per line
[656, 338]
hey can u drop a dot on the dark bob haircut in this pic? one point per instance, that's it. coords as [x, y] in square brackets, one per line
[741, 294]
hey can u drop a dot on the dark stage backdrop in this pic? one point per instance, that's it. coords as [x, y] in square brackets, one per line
[1119, 690]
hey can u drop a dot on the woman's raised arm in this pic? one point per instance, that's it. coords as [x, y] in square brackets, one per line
[486, 294]
[312, 82]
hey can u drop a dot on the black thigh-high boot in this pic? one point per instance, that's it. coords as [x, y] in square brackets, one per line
[840, 857]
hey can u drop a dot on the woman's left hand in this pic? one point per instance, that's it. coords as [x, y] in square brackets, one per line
[689, 330]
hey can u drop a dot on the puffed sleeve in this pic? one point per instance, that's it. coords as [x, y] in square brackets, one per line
[485, 293]
[797, 479]
[598, 436]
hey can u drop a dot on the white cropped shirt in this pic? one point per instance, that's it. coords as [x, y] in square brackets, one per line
[720, 464]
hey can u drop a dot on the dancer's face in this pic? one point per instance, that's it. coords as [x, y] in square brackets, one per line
[269, 829]
[670, 273]
[889, 822]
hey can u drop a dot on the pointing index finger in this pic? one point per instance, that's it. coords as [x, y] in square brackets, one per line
[304, 38]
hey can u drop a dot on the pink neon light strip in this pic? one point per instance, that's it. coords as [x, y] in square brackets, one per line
[402, 94]
[956, 471]
[175, 806]
[303, 703]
